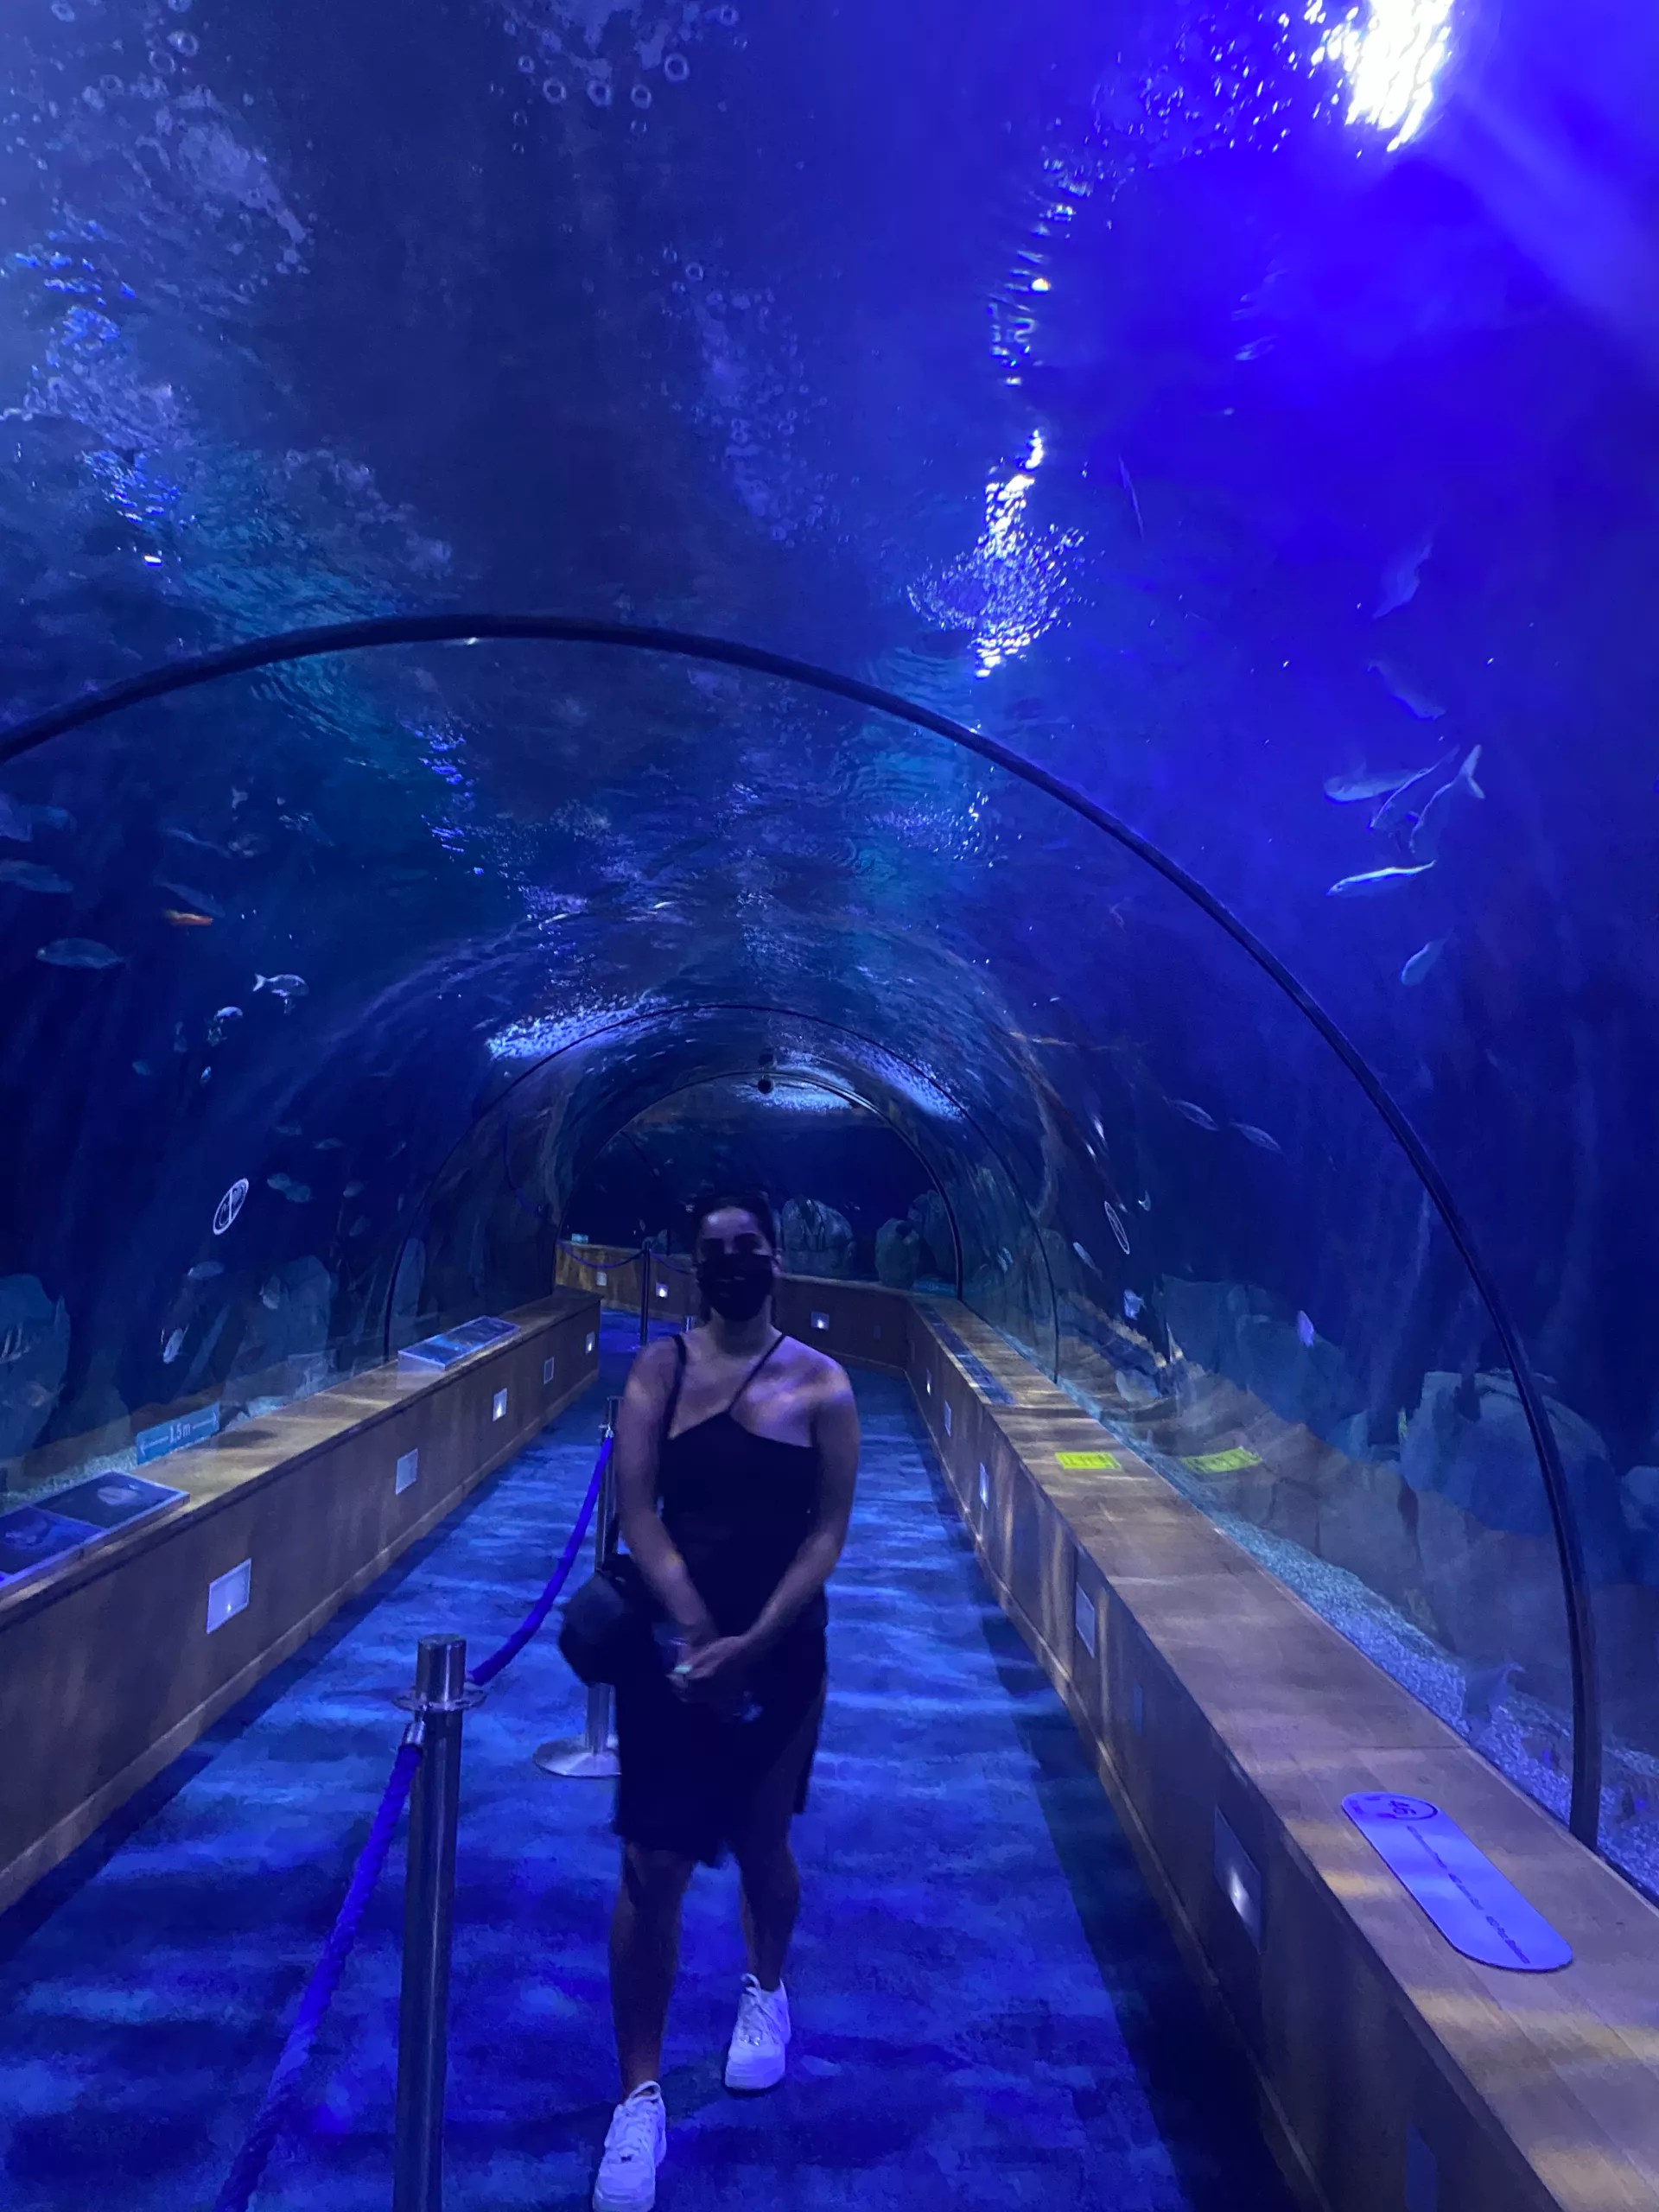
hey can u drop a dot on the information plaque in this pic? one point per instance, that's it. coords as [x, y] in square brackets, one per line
[1479, 1911]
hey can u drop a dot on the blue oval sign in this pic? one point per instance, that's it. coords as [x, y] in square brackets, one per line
[1479, 1911]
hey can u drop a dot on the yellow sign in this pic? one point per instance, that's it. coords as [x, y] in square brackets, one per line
[1086, 1459]
[1224, 1463]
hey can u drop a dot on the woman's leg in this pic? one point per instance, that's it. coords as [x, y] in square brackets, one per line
[772, 1881]
[646, 1957]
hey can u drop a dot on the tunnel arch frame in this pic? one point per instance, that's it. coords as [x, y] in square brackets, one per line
[371, 631]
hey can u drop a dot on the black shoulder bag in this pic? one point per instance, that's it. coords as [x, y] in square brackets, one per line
[605, 1629]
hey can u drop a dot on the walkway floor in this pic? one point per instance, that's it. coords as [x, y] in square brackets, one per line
[989, 2012]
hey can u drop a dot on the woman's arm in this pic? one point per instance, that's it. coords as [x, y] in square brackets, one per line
[835, 1431]
[639, 1431]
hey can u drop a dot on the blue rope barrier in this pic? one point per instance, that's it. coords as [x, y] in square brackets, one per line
[487, 1669]
[250, 2162]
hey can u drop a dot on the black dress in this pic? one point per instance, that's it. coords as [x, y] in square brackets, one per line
[738, 1508]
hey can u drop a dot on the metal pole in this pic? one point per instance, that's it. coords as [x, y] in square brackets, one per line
[592, 1756]
[646, 1265]
[440, 1700]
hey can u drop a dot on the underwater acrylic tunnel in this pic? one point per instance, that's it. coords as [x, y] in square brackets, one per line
[538, 1040]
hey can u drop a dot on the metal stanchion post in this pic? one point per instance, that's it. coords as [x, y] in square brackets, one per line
[441, 1697]
[644, 1294]
[592, 1756]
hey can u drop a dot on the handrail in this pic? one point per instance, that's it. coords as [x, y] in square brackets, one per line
[688, 645]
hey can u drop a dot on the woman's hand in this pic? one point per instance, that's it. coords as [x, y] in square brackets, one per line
[713, 1673]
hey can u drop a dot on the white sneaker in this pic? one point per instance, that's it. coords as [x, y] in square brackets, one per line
[634, 2145]
[756, 2060]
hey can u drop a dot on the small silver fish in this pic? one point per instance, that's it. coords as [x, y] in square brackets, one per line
[14, 1344]
[204, 1271]
[1259, 1138]
[80, 952]
[198, 901]
[285, 988]
[189, 837]
[1402, 576]
[286, 1129]
[281, 1183]
[1402, 689]
[142, 1067]
[352, 1191]
[172, 1346]
[1144, 1202]
[329, 1144]
[1420, 963]
[207, 1076]
[1196, 1114]
[1120, 1229]
[222, 1023]
[298, 1194]
[181, 1041]
[1306, 1331]
[358, 1226]
[1134, 1305]
[1083, 1255]
[1361, 783]
[1431, 823]
[1402, 806]
[14, 822]
[28, 877]
[1376, 880]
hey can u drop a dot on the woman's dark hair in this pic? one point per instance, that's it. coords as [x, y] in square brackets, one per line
[741, 1201]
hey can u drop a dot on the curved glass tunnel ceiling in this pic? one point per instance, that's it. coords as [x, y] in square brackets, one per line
[1211, 409]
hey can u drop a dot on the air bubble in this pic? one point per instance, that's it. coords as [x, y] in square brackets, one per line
[162, 62]
[526, 65]
[556, 91]
[676, 68]
[63, 11]
[727, 18]
[694, 273]
[641, 96]
[180, 7]
[184, 42]
[599, 91]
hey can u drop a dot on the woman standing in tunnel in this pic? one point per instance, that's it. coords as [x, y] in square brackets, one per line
[736, 1459]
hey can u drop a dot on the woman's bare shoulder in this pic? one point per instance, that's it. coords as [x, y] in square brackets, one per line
[826, 1378]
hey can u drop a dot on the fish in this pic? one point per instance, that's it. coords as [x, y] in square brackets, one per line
[1306, 1331]
[1084, 1256]
[285, 988]
[1402, 576]
[198, 901]
[1400, 806]
[207, 1076]
[14, 822]
[222, 1023]
[142, 1067]
[1144, 1202]
[28, 877]
[1134, 1305]
[270, 1294]
[329, 1144]
[1259, 1138]
[189, 837]
[306, 825]
[237, 799]
[1376, 880]
[1432, 822]
[279, 1182]
[1363, 783]
[80, 952]
[352, 1191]
[1402, 689]
[38, 1395]
[13, 1345]
[250, 845]
[205, 1270]
[287, 1129]
[181, 1042]
[172, 1345]
[1128, 482]
[183, 920]
[1420, 963]
[298, 1194]
[358, 1226]
[1120, 1229]
[1196, 1114]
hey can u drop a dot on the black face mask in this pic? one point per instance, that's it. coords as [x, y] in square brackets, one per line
[736, 1285]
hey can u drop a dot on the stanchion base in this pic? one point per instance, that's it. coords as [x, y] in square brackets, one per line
[572, 1759]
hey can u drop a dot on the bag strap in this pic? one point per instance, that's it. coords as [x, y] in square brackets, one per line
[674, 1392]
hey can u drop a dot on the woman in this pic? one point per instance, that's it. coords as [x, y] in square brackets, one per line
[748, 1443]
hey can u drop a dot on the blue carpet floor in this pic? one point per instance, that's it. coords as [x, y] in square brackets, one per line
[989, 2012]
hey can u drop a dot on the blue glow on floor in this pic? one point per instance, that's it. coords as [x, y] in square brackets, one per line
[989, 2010]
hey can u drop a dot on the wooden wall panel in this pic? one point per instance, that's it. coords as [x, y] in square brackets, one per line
[106, 1669]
